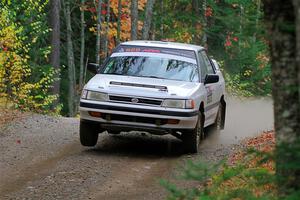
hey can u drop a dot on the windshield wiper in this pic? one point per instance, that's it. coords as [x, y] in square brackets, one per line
[113, 74]
[153, 77]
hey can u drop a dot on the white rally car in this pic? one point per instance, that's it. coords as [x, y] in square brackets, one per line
[155, 87]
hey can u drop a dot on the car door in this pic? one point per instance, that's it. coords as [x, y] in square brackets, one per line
[212, 99]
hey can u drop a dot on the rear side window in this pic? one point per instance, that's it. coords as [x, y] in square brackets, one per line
[205, 65]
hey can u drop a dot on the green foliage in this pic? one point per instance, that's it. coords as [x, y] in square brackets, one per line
[288, 165]
[24, 79]
[235, 35]
[247, 179]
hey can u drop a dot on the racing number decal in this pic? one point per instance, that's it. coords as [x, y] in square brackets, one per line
[209, 94]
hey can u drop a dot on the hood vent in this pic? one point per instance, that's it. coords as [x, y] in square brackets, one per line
[160, 88]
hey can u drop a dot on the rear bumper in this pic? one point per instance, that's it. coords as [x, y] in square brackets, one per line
[127, 118]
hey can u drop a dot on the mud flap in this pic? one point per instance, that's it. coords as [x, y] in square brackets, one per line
[223, 114]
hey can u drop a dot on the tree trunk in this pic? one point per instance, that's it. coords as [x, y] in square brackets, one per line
[258, 13]
[55, 43]
[283, 21]
[161, 28]
[82, 46]
[204, 38]
[297, 11]
[148, 19]
[107, 29]
[71, 64]
[152, 34]
[134, 19]
[98, 41]
[119, 22]
[196, 6]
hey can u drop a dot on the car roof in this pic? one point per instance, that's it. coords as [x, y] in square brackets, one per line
[172, 45]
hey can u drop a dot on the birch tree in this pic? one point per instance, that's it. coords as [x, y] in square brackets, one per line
[98, 37]
[204, 38]
[82, 45]
[148, 19]
[71, 63]
[55, 41]
[119, 22]
[134, 19]
[107, 28]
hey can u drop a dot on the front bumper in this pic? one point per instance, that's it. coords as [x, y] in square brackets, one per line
[126, 117]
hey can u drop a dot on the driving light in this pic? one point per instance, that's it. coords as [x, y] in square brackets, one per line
[95, 114]
[178, 103]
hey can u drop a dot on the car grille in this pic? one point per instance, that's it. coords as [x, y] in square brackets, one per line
[128, 118]
[135, 100]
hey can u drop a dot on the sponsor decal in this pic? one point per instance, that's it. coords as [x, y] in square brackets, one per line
[209, 93]
[176, 52]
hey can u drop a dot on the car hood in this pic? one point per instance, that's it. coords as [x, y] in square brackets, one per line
[141, 86]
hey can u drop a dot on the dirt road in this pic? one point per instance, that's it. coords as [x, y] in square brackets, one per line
[41, 157]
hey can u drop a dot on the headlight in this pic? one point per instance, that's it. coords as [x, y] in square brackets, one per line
[178, 103]
[92, 95]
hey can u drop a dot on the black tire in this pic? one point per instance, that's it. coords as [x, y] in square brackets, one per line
[88, 133]
[191, 140]
[217, 126]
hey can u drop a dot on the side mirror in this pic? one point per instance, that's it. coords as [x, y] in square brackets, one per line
[211, 78]
[93, 68]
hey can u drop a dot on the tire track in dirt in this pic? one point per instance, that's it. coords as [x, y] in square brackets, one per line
[134, 179]
[15, 180]
[126, 166]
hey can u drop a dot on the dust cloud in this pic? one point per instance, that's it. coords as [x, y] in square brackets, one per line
[244, 118]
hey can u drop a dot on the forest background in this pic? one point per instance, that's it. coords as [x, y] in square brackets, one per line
[45, 45]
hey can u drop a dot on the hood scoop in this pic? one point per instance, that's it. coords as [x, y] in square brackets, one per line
[160, 88]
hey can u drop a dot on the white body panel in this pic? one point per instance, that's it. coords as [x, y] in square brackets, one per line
[196, 91]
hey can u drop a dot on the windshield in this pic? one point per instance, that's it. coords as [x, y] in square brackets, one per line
[152, 67]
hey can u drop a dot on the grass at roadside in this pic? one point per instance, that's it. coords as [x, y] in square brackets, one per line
[248, 173]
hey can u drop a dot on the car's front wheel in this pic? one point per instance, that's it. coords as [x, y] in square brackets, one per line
[88, 133]
[191, 139]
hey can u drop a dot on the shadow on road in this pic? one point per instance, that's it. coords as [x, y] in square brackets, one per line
[135, 144]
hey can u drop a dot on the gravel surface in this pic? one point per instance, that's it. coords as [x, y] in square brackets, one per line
[41, 157]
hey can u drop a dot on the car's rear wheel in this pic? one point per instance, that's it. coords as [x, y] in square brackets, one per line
[88, 133]
[191, 139]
